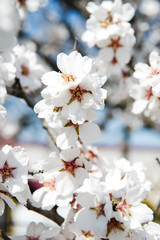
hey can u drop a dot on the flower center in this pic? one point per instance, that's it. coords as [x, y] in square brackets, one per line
[77, 94]
[149, 93]
[32, 238]
[70, 166]
[99, 209]
[50, 184]
[115, 43]
[6, 172]
[107, 21]
[87, 234]
[68, 77]
[113, 225]
[25, 70]
[153, 72]
[123, 207]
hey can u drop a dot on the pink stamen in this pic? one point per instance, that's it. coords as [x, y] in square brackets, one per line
[149, 93]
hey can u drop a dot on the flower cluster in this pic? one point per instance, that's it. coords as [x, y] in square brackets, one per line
[108, 27]
[38, 232]
[67, 107]
[15, 63]
[28, 70]
[146, 91]
[97, 199]
[95, 202]
[69, 100]
[13, 176]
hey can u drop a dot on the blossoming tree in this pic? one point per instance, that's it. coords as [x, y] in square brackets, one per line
[84, 194]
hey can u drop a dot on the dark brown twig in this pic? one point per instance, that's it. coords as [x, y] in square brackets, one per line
[4, 236]
[17, 91]
[52, 214]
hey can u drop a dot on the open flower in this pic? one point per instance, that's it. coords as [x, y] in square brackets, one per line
[39, 232]
[105, 20]
[5, 196]
[14, 168]
[29, 71]
[95, 213]
[147, 91]
[76, 90]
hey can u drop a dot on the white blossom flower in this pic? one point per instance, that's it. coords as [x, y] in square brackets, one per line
[73, 169]
[106, 19]
[77, 89]
[7, 73]
[152, 231]
[5, 196]
[62, 175]
[116, 52]
[117, 230]
[95, 213]
[29, 71]
[147, 91]
[46, 196]
[130, 212]
[14, 169]
[38, 232]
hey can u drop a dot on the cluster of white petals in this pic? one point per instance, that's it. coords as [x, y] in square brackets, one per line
[38, 232]
[146, 91]
[8, 29]
[28, 70]
[69, 100]
[96, 202]
[14, 175]
[21, 64]
[108, 27]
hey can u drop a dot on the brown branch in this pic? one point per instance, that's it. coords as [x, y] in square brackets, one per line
[17, 91]
[52, 214]
[4, 236]
[78, 6]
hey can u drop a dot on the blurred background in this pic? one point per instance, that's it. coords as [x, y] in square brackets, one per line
[54, 29]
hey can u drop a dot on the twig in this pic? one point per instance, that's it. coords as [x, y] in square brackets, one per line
[75, 43]
[155, 214]
[4, 236]
[17, 91]
[52, 214]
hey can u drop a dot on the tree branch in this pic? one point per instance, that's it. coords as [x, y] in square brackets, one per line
[4, 236]
[52, 214]
[17, 91]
